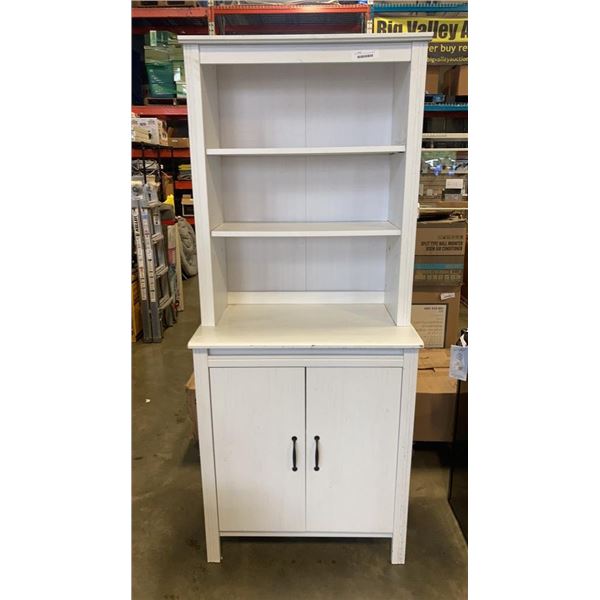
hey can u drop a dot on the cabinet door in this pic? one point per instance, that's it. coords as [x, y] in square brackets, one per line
[256, 412]
[355, 412]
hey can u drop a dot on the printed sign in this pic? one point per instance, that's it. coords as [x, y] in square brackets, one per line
[430, 322]
[449, 45]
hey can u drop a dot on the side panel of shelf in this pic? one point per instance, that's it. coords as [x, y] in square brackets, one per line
[400, 310]
[211, 266]
[400, 106]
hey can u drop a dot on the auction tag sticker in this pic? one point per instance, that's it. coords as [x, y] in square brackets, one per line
[459, 362]
[364, 55]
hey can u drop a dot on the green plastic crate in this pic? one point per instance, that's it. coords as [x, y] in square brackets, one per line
[160, 80]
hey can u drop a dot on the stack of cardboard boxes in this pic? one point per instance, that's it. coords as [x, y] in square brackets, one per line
[439, 269]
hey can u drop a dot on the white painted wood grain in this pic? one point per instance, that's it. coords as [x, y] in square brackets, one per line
[306, 229]
[207, 457]
[251, 54]
[349, 103]
[345, 264]
[259, 106]
[259, 188]
[347, 188]
[266, 264]
[305, 534]
[255, 414]
[412, 164]
[320, 297]
[306, 39]
[404, 455]
[196, 118]
[300, 188]
[306, 326]
[332, 360]
[309, 352]
[355, 413]
[305, 150]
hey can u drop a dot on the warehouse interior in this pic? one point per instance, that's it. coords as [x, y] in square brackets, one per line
[260, 389]
[169, 545]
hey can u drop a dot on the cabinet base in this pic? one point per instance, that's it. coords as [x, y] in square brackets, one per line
[304, 534]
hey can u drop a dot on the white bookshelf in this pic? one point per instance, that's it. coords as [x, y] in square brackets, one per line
[305, 173]
[305, 153]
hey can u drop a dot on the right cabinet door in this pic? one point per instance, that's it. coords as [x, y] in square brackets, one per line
[354, 412]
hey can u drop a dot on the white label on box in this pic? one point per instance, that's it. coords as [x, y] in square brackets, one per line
[454, 184]
[364, 55]
[447, 295]
[430, 322]
[459, 363]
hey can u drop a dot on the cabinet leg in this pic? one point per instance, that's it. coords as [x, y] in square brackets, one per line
[207, 458]
[407, 419]
[213, 547]
[398, 549]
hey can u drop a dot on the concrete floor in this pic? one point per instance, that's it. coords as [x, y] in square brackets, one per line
[169, 559]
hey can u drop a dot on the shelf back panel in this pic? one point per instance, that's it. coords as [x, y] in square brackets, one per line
[326, 188]
[301, 264]
[306, 105]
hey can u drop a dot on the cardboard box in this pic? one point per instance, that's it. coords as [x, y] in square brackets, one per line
[456, 81]
[190, 401]
[432, 80]
[176, 140]
[436, 398]
[435, 315]
[440, 253]
[182, 142]
[156, 127]
[187, 206]
[168, 186]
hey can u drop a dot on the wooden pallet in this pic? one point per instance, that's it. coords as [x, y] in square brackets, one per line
[164, 3]
[172, 101]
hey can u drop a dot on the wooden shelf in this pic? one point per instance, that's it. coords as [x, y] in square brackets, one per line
[306, 326]
[303, 229]
[305, 151]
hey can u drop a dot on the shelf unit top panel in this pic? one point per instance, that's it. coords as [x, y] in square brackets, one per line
[304, 229]
[305, 326]
[372, 38]
[305, 151]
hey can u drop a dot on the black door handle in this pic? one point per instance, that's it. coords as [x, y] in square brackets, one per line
[294, 467]
[317, 438]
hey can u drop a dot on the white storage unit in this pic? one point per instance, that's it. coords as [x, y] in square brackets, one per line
[305, 155]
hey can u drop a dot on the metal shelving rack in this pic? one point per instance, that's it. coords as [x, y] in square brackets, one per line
[228, 18]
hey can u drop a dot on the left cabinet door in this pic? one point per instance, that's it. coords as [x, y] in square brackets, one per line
[257, 412]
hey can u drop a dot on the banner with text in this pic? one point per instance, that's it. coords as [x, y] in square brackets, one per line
[449, 45]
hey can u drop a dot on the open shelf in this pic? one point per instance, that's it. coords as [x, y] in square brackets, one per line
[303, 229]
[306, 326]
[304, 173]
[394, 149]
